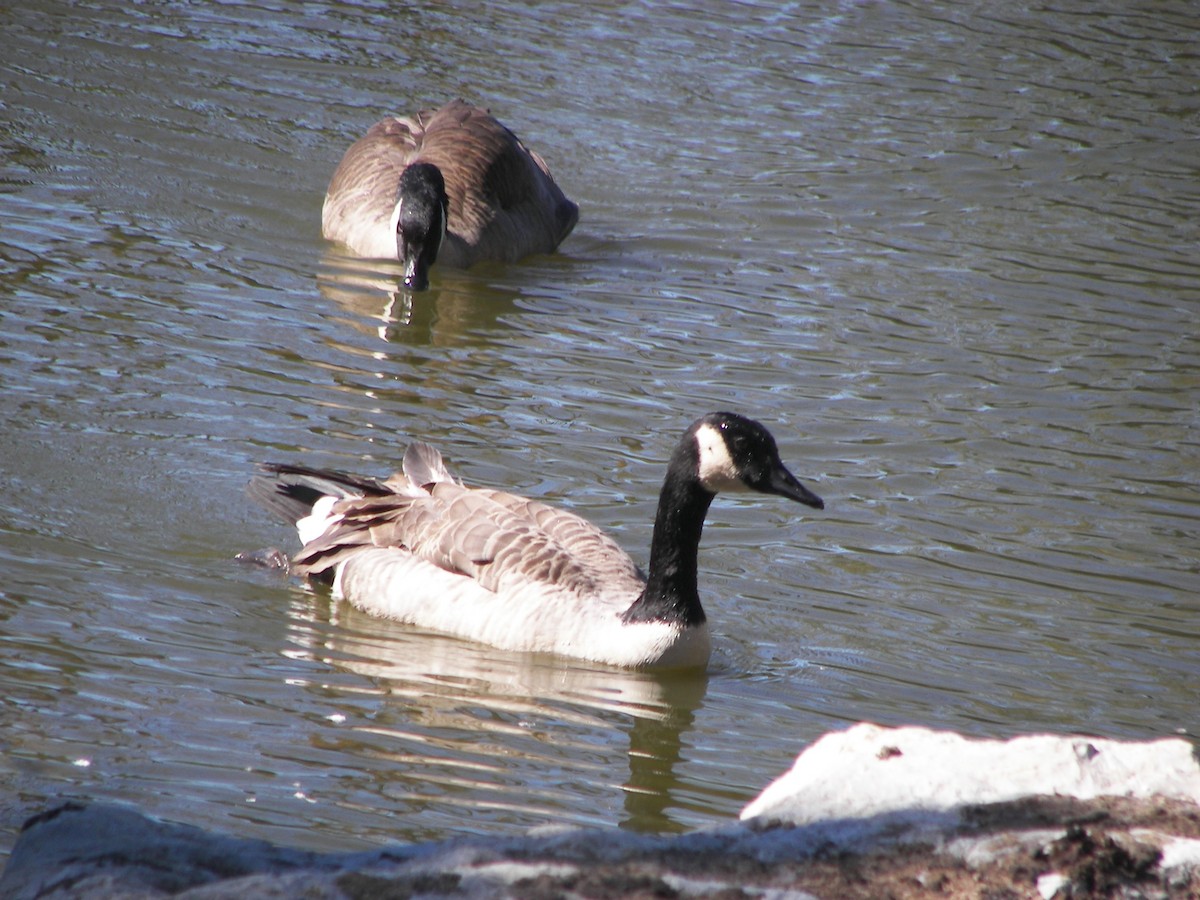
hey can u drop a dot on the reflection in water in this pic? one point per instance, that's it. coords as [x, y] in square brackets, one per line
[456, 305]
[655, 747]
[465, 718]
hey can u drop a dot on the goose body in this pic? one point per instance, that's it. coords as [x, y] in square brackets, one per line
[518, 574]
[452, 185]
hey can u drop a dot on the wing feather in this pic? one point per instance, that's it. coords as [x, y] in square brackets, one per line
[500, 540]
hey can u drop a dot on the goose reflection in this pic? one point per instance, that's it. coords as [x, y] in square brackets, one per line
[373, 293]
[466, 724]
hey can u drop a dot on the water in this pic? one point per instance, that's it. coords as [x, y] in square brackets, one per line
[947, 253]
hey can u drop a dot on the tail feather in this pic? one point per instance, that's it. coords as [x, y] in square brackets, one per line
[423, 465]
[289, 492]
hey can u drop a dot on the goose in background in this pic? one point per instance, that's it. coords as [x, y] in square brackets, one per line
[450, 185]
[504, 570]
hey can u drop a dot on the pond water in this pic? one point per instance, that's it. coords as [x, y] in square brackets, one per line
[947, 253]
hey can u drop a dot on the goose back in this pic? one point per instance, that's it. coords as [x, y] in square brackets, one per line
[503, 201]
[498, 540]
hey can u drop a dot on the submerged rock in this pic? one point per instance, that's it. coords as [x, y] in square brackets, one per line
[869, 812]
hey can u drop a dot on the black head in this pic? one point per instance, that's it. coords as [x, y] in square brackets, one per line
[734, 453]
[420, 217]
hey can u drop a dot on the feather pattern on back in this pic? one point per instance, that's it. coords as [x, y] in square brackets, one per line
[499, 540]
[503, 201]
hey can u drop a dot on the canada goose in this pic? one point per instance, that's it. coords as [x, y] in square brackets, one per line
[449, 184]
[501, 569]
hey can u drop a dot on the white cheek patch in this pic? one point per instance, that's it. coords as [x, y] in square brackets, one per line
[396, 215]
[718, 472]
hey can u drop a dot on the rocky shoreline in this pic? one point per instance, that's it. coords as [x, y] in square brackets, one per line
[868, 812]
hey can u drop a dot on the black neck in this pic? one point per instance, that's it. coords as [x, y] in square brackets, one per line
[670, 594]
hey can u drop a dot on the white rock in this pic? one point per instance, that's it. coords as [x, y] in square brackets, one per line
[870, 771]
[1051, 883]
[1180, 854]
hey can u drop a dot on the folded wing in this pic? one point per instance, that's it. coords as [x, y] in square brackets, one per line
[499, 540]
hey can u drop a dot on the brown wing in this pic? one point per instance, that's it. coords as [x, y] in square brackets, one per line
[504, 203]
[362, 193]
[498, 539]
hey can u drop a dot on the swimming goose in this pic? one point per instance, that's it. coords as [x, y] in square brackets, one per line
[452, 185]
[500, 569]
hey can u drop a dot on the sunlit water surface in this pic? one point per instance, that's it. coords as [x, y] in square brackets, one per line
[948, 254]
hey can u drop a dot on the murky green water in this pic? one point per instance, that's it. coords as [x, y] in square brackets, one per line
[949, 254]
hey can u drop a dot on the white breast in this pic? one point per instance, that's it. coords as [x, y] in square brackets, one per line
[393, 583]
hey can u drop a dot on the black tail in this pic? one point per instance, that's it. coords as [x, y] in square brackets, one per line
[289, 492]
